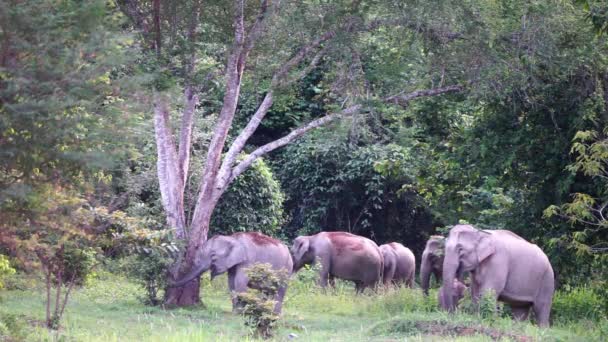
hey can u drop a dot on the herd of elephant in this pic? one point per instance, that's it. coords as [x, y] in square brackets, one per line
[498, 262]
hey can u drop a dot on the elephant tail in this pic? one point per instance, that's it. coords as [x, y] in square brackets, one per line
[381, 278]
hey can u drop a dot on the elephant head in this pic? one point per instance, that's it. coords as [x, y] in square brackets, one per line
[218, 254]
[465, 249]
[432, 261]
[301, 252]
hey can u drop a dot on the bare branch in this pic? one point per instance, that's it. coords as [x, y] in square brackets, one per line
[157, 34]
[403, 99]
[313, 64]
[245, 163]
[240, 141]
[299, 57]
[214, 152]
[185, 139]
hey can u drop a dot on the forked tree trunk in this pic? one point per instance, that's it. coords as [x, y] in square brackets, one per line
[189, 293]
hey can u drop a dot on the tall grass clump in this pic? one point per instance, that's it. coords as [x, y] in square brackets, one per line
[573, 304]
[396, 300]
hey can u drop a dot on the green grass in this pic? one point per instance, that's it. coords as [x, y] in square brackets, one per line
[109, 310]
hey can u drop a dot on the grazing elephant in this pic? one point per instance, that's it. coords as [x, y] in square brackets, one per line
[518, 272]
[399, 264]
[233, 254]
[342, 255]
[432, 262]
[458, 292]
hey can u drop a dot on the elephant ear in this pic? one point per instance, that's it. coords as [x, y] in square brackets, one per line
[485, 247]
[303, 247]
[236, 255]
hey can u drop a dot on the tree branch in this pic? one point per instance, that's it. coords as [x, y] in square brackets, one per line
[245, 163]
[404, 99]
[185, 139]
[212, 162]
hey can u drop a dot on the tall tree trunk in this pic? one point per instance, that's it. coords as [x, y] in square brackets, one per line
[188, 294]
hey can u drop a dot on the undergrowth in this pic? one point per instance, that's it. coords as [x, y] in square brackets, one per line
[109, 309]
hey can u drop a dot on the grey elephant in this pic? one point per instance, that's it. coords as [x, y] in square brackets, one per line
[458, 292]
[399, 264]
[342, 255]
[233, 254]
[432, 261]
[518, 272]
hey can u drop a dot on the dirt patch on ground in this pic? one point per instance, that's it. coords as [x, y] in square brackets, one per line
[442, 328]
[432, 328]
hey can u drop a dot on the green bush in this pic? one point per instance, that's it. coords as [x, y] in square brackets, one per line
[5, 270]
[574, 304]
[259, 300]
[487, 308]
[149, 270]
[305, 281]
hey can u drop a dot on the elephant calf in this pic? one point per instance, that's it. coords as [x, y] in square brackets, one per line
[342, 255]
[233, 254]
[458, 292]
[399, 264]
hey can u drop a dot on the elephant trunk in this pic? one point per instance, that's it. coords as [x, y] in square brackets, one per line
[425, 273]
[197, 271]
[450, 268]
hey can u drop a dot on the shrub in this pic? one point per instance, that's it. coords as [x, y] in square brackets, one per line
[5, 270]
[305, 281]
[259, 300]
[149, 270]
[574, 304]
[487, 307]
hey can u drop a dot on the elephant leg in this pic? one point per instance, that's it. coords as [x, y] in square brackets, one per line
[520, 313]
[410, 281]
[543, 301]
[359, 287]
[324, 273]
[240, 285]
[279, 298]
[332, 281]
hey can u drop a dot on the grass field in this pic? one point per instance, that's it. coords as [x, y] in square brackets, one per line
[109, 310]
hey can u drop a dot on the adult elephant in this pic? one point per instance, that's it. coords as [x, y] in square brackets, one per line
[342, 255]
[432, 261]
[518, 272]
[236, 252]
[399, 264]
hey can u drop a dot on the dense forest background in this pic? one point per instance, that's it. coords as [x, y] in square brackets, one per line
[489, 112]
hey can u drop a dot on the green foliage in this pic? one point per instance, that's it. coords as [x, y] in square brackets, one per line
[58, 104]
[254, 202]
[5, 270]
[334, 185]
[12, 327]
[487, 307]
[574, 304]
[145, 254]
[307, 279]
[259, 300]
[395, 301]
[149, 270]
[596, 13]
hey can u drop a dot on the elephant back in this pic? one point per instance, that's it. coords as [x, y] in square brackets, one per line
[262, 248]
